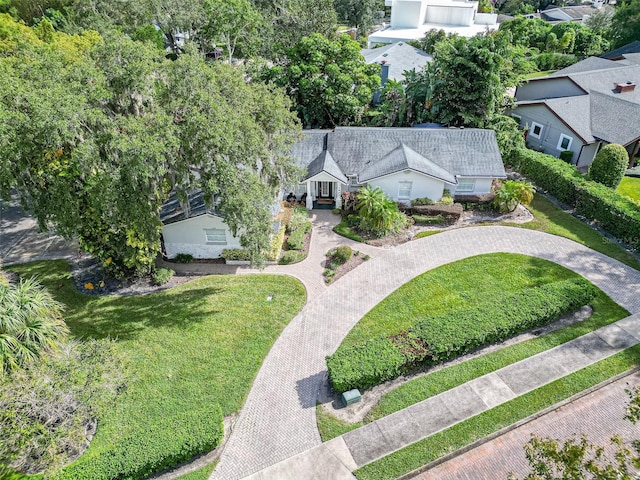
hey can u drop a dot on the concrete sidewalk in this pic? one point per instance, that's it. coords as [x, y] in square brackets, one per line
[386, 435]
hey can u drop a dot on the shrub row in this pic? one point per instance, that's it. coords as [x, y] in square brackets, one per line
[614, 212]
[437, 338]
[299, 226]
[427, 220]
[276, 244]
[235, 254]
[140, 454]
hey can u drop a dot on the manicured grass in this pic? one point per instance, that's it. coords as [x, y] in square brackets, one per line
[464, 433]
[343, 229]
[458, 285]
[427, 233]
[201, 343]
[630, 187]
[551, 219]
[202, 474]
[330, 426]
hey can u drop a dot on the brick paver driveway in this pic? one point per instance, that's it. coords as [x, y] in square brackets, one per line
[599, 415]
[278, 418]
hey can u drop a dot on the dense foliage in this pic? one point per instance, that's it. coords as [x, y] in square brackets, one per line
[511, 194]
[440, 337]
[49, 410]
[95, 133]
[329, 81]
[378, 215]
[31, 323]
[610, 165]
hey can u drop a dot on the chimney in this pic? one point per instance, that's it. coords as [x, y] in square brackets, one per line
[624, 87]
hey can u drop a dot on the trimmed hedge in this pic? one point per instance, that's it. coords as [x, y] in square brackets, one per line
[296, 240]
[292, 256]
[437, 338]
[612, 211]
[137, 456]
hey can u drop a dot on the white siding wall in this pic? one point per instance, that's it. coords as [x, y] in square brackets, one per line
[188, 236]
[421, 185]
[552, 129]
[481, 185]
[588, 154]
[451, 14]
[553, 88]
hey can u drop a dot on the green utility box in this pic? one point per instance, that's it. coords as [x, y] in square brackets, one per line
[352, 396]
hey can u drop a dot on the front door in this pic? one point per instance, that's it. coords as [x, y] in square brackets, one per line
[325, 189]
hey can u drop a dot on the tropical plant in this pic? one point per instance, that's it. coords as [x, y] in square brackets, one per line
[512, 193]
[30, 322]
[609, 166]
[373, 205]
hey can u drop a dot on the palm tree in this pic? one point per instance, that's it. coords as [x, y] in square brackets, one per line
[30, 322]
[513, 193]
[375, 207]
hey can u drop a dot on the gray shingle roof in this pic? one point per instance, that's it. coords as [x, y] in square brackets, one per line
[607, 107]
[576, 112]
[325, 163]
[633, 47]
[400, 56]
[173, 210]
[463, 152]
[402, 158]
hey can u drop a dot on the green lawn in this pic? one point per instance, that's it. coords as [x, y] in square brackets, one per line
[343, 229]
[551, 219]
[630, 187]
[464, 433]
[202, 474]
[457, 285]
[198, 344]
[538, 74]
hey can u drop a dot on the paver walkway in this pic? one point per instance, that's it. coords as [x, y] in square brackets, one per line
[599, 414]
[278, 419]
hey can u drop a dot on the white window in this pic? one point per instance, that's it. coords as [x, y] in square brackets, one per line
[565, 142]
[466, 185]
[404, 190]
[535, 130]
[353, 180]
[216, 235]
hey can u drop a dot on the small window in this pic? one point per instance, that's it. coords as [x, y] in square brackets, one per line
[404, 190]
[565, 142]
[466, 185]
[353, 180]
[216, 235]
[535, 130]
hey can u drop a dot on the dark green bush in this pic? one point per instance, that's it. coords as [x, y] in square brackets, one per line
[609, 165]
[614, 212]
[300, 221]
[197, 430]
[553, 61]
[235, 254]
[566, 156]
[422, 201]
[162, 276]
[549, 173]
[437, 338]
[292, 256]
[183, 258]
[342, 254]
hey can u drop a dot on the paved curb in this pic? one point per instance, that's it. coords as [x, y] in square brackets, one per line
[513, 426]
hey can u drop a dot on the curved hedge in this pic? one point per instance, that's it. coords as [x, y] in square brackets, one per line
[441, 337]
[141, 454]
[614, 212]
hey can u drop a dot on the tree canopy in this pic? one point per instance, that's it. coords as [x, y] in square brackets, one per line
[625, 24]
[329, 81]
[95, 134]
[361, 14]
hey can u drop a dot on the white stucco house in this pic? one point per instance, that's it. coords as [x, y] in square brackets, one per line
[411, 19]
[406, 163]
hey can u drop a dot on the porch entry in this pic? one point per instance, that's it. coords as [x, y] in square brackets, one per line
[325, 190]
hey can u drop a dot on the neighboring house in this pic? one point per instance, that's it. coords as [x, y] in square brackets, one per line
[397, 58]
[406, 163]
[629, 53]
[581, 108]
[411, 19]
[574, 13]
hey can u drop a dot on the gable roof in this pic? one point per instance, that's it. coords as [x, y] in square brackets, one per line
[173, 210]
[633, 47]
[400, 56]
[372, 152]
[600, 112]
[402, 158]
[325, 163]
